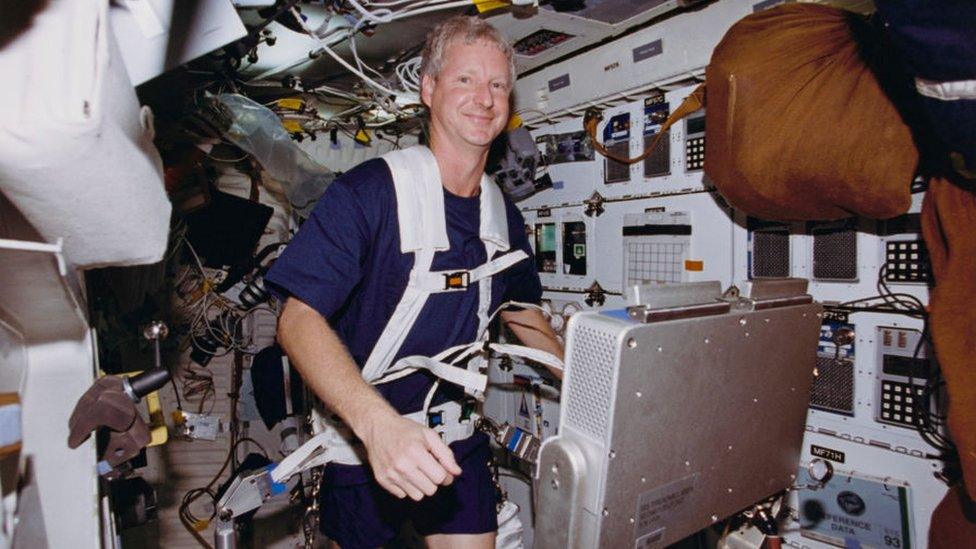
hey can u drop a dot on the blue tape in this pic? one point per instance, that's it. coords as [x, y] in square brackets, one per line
[513, 444]
[276, 487]
[618, 313]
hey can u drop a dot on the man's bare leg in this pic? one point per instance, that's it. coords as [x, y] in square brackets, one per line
[461, 541]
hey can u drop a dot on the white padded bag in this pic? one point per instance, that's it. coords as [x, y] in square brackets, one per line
[76, 151]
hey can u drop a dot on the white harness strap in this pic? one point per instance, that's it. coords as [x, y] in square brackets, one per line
[423, 231]
[333, 442]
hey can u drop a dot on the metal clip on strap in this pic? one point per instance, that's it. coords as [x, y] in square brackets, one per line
[458, 280]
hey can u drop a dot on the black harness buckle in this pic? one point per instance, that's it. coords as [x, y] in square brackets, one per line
[457, 280]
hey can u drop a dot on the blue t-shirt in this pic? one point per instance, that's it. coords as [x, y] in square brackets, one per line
[346, 263]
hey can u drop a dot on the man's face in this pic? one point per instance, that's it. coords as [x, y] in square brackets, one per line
[469, 99]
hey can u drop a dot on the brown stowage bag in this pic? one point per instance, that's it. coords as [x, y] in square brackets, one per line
[949, 229]
[797, 125]
[953, 521]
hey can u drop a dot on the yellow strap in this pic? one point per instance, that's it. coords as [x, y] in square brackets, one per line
[158, 432]
[362, 137]
[293, 126]
[488, 5]
[291, 103]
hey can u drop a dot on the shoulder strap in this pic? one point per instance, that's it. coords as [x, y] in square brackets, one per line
[423, 231]
[420, 200]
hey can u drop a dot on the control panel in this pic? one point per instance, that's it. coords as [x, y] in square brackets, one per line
[695, 141]
[903, 397]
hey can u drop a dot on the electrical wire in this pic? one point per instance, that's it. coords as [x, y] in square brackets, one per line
[928, 422]
[408, 73]
[379, 16]
[325, 48]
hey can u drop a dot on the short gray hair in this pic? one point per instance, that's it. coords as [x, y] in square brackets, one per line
[467, 29]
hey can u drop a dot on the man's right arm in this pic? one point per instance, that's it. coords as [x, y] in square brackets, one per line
[407, 458]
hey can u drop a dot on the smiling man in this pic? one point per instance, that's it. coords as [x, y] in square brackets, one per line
[407, 256]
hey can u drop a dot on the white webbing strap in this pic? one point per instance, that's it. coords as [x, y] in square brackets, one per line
[423, 231]
[470, 380]
[325, 447]
[538, 355]
[397, 328]
[434, 281]
[420, 199]
[947, 91]
[333, 442]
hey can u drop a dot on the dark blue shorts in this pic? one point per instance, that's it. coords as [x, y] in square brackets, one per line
[356, 512]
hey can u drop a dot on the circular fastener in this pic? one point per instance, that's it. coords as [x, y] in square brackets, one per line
[729, 489]
[659, 348]
[638, 394]
[631, 343]
[714, 518]
[631, 520]
[606, 511]
[612, 454]
[687, 464]
[747, 334]
[707, 341]
[742, 321]
[730, 447]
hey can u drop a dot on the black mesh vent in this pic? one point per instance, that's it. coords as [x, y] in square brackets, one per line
[771, 253]
[659, 163]
[834, 253]
[617, 172]
[833, 386]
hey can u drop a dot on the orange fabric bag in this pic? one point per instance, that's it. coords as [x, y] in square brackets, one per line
[949, 228]
[798, 126]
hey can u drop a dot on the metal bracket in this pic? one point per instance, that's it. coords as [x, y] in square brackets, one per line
[594, 205]
[595, 295]
[247, 492]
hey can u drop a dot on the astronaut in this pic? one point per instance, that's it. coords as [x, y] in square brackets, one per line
[408, 256]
